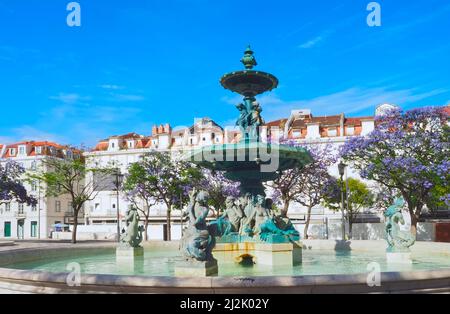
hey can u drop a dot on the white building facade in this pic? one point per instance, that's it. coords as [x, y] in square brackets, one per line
[22, 221]
[123, 150]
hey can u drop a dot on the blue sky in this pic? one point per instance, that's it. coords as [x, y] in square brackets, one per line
[136, 63]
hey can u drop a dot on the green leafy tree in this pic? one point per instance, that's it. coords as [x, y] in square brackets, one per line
[74, 178]
[356, 198]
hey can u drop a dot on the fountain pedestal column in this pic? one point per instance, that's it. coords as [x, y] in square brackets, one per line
[130, 259]
[267, 254]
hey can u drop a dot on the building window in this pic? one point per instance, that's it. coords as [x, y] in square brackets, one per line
[21, 207]
[296, 134]
[332, 132]
[97, 206]
[12, 151]
[130, 144]
[33, 185]
[7, 207]
[33, 208]
[58, 206]
[114, 206]
[204, 139]
[34, 229]
[22, 150]
[39, 150]
[350, 130]
[70, 207]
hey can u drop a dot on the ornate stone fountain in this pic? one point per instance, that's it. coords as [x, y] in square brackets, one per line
[249, 230]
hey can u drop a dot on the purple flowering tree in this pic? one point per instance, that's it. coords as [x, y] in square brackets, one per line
[314, 181]
[138, 191]
[11, 184]
[219, 189]
[305, 185]
[408, 152]
[165, 180]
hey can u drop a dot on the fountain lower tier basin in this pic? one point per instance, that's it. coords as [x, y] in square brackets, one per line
[327, 267]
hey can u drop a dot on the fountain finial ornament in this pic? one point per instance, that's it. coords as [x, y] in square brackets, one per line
[248, 59]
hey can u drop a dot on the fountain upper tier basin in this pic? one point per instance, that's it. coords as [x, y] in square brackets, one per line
[249, 83]
[250, 160]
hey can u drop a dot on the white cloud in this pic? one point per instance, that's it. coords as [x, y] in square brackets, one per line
[30, 133]
[316, 40]
[69, 98]
[352, 100]
[124, 97]
[111, 87]
[311, 43]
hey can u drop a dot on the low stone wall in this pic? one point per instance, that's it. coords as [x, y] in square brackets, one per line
[27, 281]
[364, 231]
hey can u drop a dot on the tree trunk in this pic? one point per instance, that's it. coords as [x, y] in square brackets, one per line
[75, 226]
[350, 228]
[308, 220]
[285, 209]
[169, 227]
[146, 228]
[414, 221]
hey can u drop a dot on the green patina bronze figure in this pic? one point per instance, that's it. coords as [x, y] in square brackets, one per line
[197, 243]
[253, 161]
[132, 237]
[398, 240]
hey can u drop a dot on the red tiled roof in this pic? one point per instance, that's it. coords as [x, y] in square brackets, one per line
[101, 146]
[327, 120]
[278, 123]
[44, 144]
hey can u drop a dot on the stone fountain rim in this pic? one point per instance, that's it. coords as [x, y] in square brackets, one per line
[46, 282]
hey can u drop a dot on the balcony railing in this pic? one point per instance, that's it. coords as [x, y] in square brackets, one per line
[20, 214]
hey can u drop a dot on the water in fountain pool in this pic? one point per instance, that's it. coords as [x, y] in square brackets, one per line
[316, 262]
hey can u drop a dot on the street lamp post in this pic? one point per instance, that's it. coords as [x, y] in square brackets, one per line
[118, 183]
[342, 167]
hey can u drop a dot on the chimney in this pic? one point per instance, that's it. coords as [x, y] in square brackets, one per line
[342, 130]
[154, 130]
[160, 129]
[167, 128]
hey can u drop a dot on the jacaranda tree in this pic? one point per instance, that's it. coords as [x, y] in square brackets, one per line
[408, 152]
[166, 180]
[219, 189]
[307, 184]
[11, 184]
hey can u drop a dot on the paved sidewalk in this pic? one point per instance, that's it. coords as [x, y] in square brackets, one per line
[25, 244]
